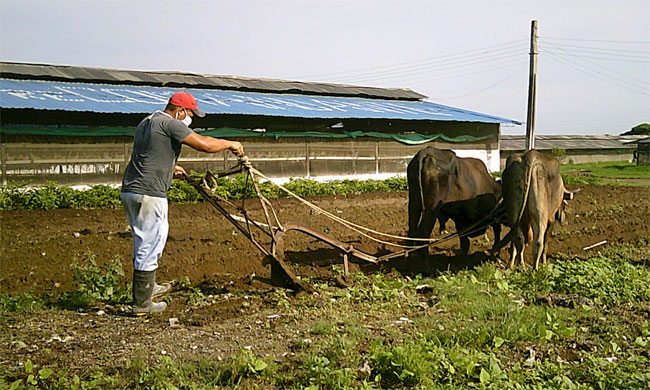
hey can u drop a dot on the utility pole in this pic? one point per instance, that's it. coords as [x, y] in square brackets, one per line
[532, 88]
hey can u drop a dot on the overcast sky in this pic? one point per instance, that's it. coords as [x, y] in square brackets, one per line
[593, 69]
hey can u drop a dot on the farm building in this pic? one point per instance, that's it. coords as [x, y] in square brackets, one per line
[643, 152]
[575, 148]
[74, 125]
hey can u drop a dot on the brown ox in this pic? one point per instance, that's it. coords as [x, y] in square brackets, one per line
[443, 186]
[534, 197]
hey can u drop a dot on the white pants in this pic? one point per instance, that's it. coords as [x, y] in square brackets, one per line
[147, 216]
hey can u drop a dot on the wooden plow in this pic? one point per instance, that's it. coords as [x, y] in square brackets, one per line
[281, 273]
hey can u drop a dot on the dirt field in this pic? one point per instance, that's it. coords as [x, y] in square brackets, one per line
[38, 247]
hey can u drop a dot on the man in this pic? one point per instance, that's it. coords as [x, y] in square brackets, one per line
[148, 176]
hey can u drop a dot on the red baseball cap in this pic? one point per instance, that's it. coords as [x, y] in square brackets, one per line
[185, 100]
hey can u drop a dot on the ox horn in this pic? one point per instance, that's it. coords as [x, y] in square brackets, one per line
[568, 195]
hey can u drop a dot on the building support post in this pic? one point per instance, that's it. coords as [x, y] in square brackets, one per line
[532, 88]
[377, 157]
[4, 165]
[307, 161]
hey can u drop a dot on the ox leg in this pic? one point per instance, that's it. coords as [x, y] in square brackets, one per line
[442, 224]
[539, 231]
[518, 245]
[415, 214]
[423, 230]
[513, 253]
[547, 235]
[427, 223]
[496, 228]
[464, 245]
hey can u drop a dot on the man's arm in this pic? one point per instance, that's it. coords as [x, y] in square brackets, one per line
[213, 145]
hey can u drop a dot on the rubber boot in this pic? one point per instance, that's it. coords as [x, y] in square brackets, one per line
[143, 283]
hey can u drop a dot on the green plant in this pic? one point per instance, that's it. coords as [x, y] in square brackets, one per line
[608, 281]
[98, 196]
[95, 283]
[559, 154]
[616, 169]
[580, 180]
[246, 363]
[196, 296]
[182, 192]
[34, 380]
[46, 378]
[20, 303]
[52, 195]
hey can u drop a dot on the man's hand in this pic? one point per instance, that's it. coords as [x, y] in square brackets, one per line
[237, 148]
[213, 145]
[179, 172]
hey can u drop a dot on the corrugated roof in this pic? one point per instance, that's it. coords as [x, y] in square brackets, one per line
[13, 70]
[517, 143]
[129, 99]
[644, 141]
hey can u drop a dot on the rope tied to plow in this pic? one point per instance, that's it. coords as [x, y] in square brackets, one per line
[362, 230]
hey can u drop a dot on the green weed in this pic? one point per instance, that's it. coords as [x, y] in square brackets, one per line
[485, 328]
[21, 303]
[605, 280]
[618, 169]
[54, 196]
[96, 283]
[47, 379]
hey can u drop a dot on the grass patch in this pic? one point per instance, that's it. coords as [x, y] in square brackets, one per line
[610, 281]
[609, 170]
[54, 196]
[95, 283]
[485, 328]
[21, 303]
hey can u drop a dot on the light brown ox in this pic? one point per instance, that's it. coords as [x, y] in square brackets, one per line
[534, 197]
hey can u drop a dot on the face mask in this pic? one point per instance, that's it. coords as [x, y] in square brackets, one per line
[188, 119]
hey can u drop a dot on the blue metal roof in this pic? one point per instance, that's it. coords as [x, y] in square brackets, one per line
[48, 95]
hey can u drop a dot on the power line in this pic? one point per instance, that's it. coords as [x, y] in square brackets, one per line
[462, 73]
[628, 83]
[608, 69]
[595, 49]
[434, 67]
[484, 89]
[598, 51]
[441, 65]
[504, 46]
[596, 40]
[438, 68]
[590, 73]
[468, 72]
[617, 58]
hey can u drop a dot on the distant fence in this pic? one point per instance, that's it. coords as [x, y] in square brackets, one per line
[104, 163]
[582, 156]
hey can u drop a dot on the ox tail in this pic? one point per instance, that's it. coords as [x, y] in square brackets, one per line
[567, 195]
[530, 167]
[523, 201]
[421, 162]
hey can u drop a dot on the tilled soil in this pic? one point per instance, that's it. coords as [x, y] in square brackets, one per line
[238, 302]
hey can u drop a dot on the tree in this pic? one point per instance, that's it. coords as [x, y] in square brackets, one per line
[642, 129]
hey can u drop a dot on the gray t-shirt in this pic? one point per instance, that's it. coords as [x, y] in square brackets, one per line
[156, 147]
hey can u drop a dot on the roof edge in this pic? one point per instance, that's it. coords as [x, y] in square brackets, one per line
[48, 72]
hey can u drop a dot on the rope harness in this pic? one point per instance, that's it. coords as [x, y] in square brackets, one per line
[275, 230]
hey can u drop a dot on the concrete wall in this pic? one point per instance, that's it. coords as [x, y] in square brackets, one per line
[104, 163]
